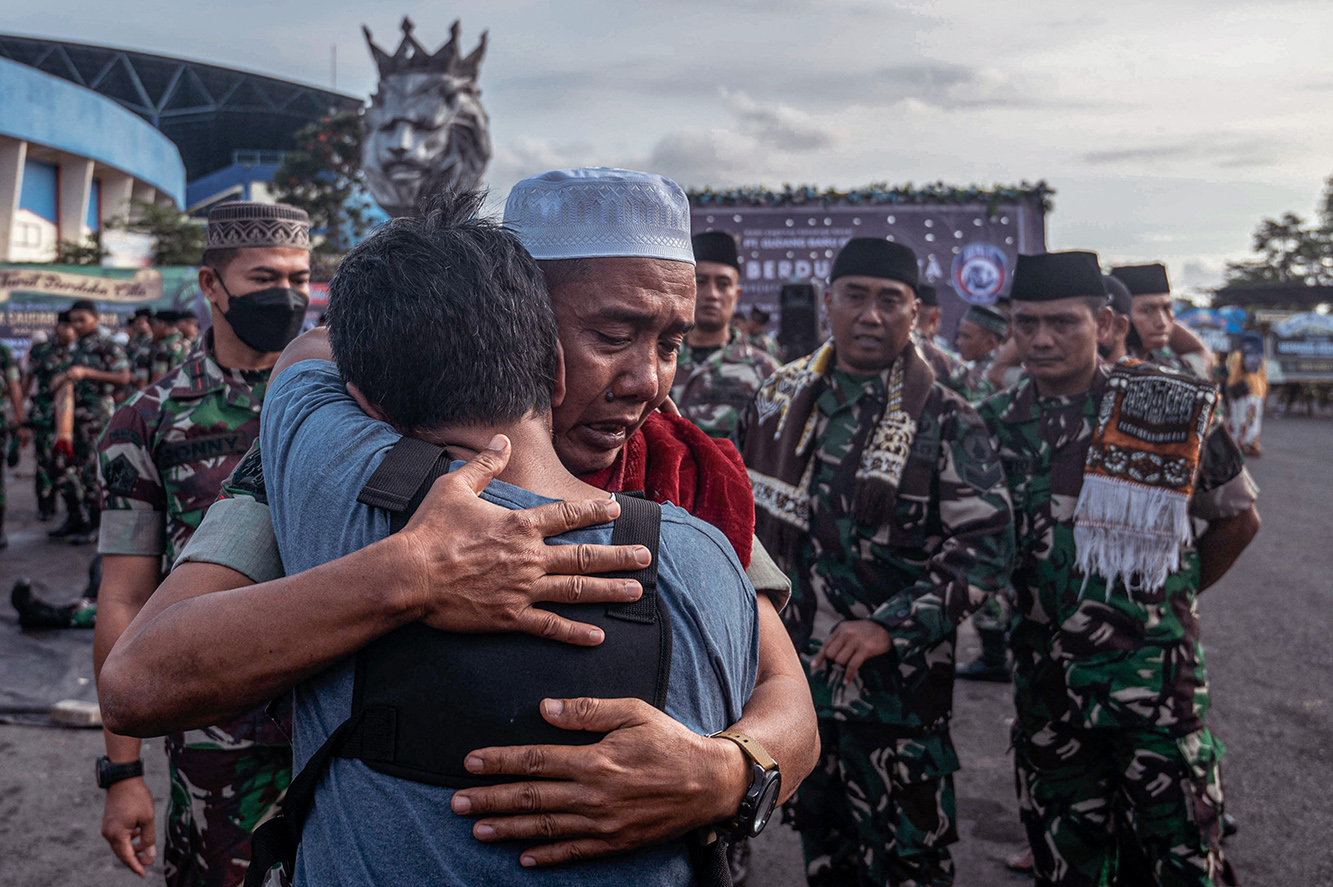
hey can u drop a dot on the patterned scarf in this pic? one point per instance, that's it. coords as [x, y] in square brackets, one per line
[1132, 515]
[780, 438]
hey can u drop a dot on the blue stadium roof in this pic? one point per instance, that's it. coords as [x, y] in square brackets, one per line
[208, 111]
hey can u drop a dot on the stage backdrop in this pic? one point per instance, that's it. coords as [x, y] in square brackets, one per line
[966, 239]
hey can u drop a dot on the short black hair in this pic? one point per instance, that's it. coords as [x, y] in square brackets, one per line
[85, 305]
[444, 318]
[218, 259]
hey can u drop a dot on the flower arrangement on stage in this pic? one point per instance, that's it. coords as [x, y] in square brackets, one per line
[877, 194]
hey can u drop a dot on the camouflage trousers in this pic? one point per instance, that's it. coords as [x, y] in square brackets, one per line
[878, 809]
[44, 476]
[78, 480]
[1122, 807]
[217, 800]
[994, 615]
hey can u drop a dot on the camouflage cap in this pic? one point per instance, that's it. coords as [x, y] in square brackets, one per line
[249, 224]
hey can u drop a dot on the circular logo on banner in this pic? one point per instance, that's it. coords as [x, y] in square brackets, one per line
[980, 271]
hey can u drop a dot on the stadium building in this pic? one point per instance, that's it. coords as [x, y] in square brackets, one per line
[83, 129]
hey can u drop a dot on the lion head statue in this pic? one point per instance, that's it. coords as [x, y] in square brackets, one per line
[425, 127]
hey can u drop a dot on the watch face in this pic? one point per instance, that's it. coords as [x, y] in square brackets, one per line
[767, 801]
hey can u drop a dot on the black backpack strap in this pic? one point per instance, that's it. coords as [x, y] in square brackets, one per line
[274, 842]
[404, 478]
[640, 523]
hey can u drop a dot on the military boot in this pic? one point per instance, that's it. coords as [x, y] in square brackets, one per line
[46, 507]
[993, 663]
[34, 613]
[90, 532]
[76, 520]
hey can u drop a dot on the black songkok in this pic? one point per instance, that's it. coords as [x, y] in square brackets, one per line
[716, 246]
[876, 257]
[142, 312]
[169, 316]
[928, 296]
[1121, 301]
[63, 317]
[759, 315]
[84, 305]
[988, 318]
[1143, 280]
[1048, 277]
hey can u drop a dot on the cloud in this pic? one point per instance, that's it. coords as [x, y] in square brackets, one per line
[1224, 150]
[780, 126]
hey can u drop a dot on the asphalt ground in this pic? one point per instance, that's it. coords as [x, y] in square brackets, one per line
[1267, 629]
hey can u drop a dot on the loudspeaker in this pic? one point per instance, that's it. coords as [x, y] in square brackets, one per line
[799, 331]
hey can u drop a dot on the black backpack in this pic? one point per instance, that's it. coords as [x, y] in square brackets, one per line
[423, 699]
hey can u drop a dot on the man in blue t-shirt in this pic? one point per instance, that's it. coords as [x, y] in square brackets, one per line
[406, 304]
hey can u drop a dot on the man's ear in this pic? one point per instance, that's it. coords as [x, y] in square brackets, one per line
[1105, 319]
[558, 390]
[211, 287]
[370, 409]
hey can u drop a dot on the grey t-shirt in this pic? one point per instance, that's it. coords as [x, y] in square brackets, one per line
[319, 449]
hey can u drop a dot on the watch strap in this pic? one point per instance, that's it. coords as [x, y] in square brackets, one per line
[108, 773]
[753, 750]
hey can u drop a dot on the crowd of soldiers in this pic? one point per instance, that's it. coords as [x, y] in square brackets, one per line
[99, 369]
[901, 486]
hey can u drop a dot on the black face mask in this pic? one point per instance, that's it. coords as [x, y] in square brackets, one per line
[268, 319]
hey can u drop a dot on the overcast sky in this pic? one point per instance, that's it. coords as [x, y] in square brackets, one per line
[1168, 128]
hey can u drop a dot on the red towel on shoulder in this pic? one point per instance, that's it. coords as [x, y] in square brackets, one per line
[671, 460]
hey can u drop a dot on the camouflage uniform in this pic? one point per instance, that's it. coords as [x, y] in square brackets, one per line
[879, 808]
[9, 374]
[45, 362]
[94, 402]
[712, 390]
[1110, 689]
[950, 372]
[168, 354]
[140, 353]
[164, 458]
[766, 343]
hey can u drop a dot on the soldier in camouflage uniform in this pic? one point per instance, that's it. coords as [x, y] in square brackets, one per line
[717, 369]
[46, 361]
[1154, 335]
[163, 460]
[1110, 742]
[97, 367]
[879, 492]
[759, 335]
[10, 373]
[171, 350]
[140, 349]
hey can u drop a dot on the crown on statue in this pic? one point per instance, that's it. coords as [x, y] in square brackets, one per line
[413, 58]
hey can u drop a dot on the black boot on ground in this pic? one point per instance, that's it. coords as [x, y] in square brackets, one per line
[34, 613]
[76, 520]
[993, 663]
[89, 534]
[46, 508]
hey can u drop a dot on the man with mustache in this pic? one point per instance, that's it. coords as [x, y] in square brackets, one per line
[621, 315]
[878, 491]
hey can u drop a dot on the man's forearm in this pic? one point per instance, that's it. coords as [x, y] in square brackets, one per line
[127, 583]
[779, 714]
[1221, 544]
[117, 377]
[210, 645]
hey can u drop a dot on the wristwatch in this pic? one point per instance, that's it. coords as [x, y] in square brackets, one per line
[765, 784]
[108, 774]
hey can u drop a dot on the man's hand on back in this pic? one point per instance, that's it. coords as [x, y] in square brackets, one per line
[481, 567]
[649, 780]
